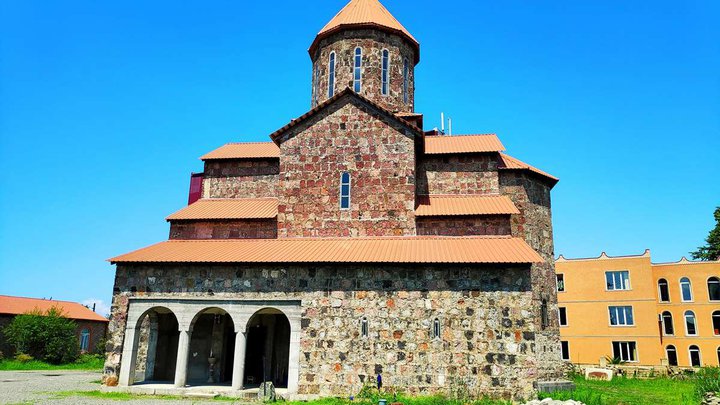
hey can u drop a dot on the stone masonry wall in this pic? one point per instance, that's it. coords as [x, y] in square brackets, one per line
[464, 225]
[240, 178]
[531, 196]
[236, 229]
[458, 174]
[380, 159]
[97, 333]
[372, 43]
[487, 341]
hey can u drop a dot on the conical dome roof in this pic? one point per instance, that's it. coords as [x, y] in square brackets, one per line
[360, 13]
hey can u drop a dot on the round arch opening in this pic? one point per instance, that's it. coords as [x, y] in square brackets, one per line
[212, 347]
[267, 354]
[157, 337]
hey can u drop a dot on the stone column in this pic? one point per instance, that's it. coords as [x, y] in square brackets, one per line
[183, 353]
[294, 355]
[127, 361]
[238, 375]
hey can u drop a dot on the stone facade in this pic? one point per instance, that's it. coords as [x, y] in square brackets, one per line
[246, 178]
[466, 225]
[487, 342]
[378, 153]
[235, 229]
[372, 43]
[458, 174]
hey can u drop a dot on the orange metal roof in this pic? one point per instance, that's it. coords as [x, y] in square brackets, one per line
[425, 249]
[509, 162]
[442, 144]
[228, 208]
[250, 150]
[438, 205]
[365, 12]
[20, 305]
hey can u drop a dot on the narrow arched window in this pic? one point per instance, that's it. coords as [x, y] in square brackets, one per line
[345, 191]
[714, 288]
[671, 355]
[406, 79]
[667, 321]
[685, 289]
[544, 320]
[85, 340]
[357, 70]
[718, 353]
[716, 323]
[331, 75]
[316, 84]
[694, 352]
[663, 291]
[436, 329]
[364, 327]
[690, 323]
[385, 71]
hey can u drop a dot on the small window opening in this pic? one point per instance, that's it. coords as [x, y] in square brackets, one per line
[406, 69]
[436, 329]
[364, 327]
[84, 340]
[714, 288]
[544, 321]
[694, 356]
[562, 316]
[385, 71]
[565, 349]
[560, 282]
[667, 321]
[686, 289]
[331, 75]
[357, 75]
[671, 354]
[345, 191]
[716, 323]
[690, 323]
[664, 292]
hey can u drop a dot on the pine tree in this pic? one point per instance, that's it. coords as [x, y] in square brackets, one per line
[711, 251]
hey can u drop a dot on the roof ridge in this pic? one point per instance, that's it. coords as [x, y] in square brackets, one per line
[602, 256]
[684, 260]
[237, 199]
[462, 195]
[251, 143]
[422, 237]
[461, 135]
[43, 299]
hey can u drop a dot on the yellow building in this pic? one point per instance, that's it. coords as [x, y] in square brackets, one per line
[646, 314]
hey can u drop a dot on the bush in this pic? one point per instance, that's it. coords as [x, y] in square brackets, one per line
[48, 337]
[706, 379]
[23, 358]
[2, 356]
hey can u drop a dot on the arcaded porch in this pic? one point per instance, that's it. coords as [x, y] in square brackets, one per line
[206, 346]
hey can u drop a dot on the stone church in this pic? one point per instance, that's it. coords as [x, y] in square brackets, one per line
[352, 244]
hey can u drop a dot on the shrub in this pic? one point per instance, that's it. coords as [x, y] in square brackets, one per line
[2, 356]
[23, 358]
[706, 379]
[45, 336]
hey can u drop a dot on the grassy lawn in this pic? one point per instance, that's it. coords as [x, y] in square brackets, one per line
[85, 362]
[628, 391]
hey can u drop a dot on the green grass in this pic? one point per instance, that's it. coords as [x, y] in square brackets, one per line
[629, 391]
[405, 400]
[123, 396]
[85, 362]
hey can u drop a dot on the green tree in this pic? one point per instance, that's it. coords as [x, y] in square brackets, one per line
[48, 336]
[711, 251]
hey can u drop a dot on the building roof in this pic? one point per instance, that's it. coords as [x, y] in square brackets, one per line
[509, 162]
[364, 13]
[445, 144]
[19, 305]
[444, 205]
[228, 208]
[248, 150]
[425, 249]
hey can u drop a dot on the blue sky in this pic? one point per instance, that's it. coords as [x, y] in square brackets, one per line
[105, 108]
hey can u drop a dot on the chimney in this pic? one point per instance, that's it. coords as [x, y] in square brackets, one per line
[93, 307]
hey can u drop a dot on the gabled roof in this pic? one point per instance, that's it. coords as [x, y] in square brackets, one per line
[510, 163]
[364, 13]
[415, 249]
[446, 144]
[19, 305]
[247, 150]
[348, 92]
[228, 208]
[451, 205]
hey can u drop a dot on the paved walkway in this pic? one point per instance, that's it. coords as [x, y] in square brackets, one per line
[41, 387]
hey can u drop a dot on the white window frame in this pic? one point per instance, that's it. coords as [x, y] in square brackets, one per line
[695, 321]
[624, 282]
[357, 70]
[672, 323]
[560, 310]
[332, 70]
[621, 315]
[682, 295]
[713, 315]
[385, 72]
[690, 350]
[559, 276]
[667, 355]
[564, 352]
[707, 283]
[349, 193]
[667, 286]
[627, 343]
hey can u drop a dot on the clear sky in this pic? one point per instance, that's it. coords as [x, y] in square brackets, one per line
[105, 108]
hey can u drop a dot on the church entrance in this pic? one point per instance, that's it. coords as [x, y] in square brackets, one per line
[157, 346]
[212, 346]
[267, 349]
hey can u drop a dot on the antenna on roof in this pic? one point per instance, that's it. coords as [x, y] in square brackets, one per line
[442, 123]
